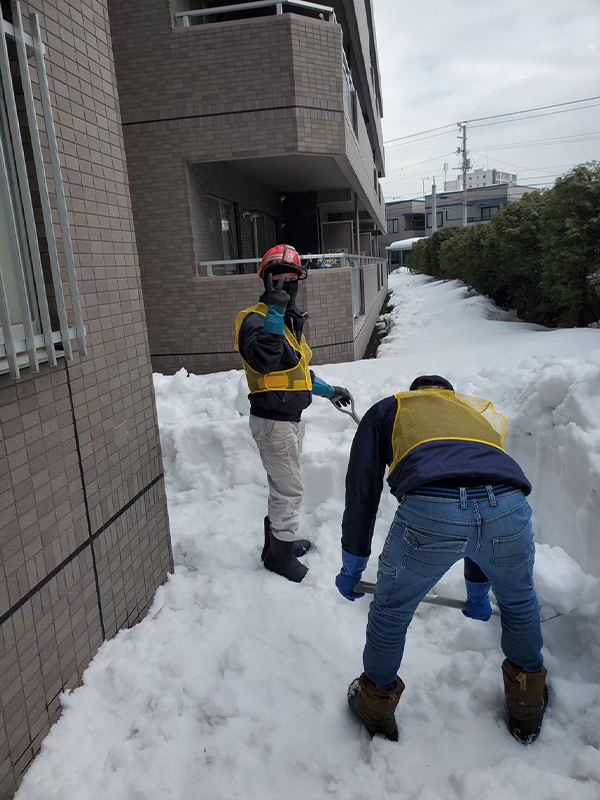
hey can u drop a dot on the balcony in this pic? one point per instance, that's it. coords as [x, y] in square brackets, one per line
[314, 262]
[231, 12]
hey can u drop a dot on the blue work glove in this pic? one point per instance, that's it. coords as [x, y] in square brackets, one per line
[352, 570]
[478, 602]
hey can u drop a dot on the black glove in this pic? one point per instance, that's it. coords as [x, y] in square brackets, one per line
[341, 397]
[275, 294]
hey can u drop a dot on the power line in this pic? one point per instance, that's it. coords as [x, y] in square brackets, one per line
[540, 144]
[573, 136]
[421, 139]
[520, 166]
[539, 108]
[496, 116]
[419, 133]
[416, 163]
[534, 116]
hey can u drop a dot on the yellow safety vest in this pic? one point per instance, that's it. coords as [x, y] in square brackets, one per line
[295, 379]
[429, 415]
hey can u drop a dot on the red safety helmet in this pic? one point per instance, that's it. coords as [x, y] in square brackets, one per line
[282, 255]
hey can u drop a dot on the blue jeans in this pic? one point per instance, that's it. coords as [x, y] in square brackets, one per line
[428, 535]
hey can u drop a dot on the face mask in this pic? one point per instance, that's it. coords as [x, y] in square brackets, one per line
[291, 287]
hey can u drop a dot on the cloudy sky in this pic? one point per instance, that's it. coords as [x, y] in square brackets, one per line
[442, 61]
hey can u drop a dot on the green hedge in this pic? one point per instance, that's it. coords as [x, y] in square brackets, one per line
[536, 256]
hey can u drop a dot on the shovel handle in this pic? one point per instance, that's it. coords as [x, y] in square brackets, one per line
[350, 411]
[433, 599]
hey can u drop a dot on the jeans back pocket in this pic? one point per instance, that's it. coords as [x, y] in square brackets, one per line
[430, 553]
[512, 551]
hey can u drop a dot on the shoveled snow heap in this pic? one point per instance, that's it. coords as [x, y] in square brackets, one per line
[234, 685]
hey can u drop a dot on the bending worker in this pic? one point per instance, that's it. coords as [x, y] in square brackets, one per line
[270, 339]
[459, 495]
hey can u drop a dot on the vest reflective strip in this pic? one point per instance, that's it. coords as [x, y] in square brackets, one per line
[432, 415]
[295, 379]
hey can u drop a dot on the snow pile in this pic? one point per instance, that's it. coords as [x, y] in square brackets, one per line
[234, 686]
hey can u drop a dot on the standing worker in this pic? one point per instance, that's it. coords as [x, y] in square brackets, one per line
[459, 495]
[270, 339]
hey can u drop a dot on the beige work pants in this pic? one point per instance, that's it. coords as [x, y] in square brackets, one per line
[279, 447]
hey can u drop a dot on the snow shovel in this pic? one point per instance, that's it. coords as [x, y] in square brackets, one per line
[350, 411]
[449, 602]
[434, 599]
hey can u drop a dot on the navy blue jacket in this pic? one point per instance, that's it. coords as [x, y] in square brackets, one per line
[442, 463]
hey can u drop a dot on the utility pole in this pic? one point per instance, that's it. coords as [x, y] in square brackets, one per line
[465, 168]
[445, 171]
[433, 207]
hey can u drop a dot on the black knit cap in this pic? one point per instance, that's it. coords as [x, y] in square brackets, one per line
[424, 381]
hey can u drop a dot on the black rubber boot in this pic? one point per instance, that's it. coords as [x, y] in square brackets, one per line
[301, 546]
[280, 558]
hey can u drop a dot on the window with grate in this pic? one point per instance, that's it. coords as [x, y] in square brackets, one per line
[34, 324]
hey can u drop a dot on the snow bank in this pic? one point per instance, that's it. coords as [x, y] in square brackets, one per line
[234, 685]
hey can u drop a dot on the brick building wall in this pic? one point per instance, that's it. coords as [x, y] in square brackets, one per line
[332, 332]
[84, 539]
[196, 103]
[222, 180]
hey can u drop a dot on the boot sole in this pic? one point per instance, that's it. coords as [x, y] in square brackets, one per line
[372, 728]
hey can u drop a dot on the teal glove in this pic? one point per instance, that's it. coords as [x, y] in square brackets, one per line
[322, 389]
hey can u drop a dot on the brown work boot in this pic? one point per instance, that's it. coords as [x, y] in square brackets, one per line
[526, 701]
[375, 707]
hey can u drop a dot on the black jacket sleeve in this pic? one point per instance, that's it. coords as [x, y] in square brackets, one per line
[263, 351]
[364, 482]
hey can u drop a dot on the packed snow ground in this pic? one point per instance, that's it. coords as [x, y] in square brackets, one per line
[234, 685]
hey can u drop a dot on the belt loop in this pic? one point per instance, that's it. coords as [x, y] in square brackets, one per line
[491, 495]
[463, 497]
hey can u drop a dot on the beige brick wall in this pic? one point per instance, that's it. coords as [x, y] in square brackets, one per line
[84, 538]
[327, 296]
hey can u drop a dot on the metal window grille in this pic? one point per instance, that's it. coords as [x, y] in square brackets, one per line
[28, 334]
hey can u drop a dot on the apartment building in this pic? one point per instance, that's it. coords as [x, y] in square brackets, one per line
[405, 219]
[84, 537]
[248, 124]
[482, 177]
[482, 205]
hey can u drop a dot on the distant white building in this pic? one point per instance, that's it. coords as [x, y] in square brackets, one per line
[481, 177]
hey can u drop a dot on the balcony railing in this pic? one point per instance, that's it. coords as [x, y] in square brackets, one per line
[316, 261]
[266, 7]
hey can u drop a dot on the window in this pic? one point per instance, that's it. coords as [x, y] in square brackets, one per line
[439, 217]
[414, 222]
[264, 231]
[34, 326]
[221, 225]
[489, 211]
[392, 226]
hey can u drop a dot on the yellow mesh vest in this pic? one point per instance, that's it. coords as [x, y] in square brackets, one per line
[296, 379]
[430, 415]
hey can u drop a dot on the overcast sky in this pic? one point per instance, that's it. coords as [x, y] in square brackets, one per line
[442, 61]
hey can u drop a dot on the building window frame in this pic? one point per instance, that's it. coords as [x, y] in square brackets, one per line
[29, 334]
[439, 216]
[393, 227]
[489, 212]
[414, 221]
[227, 213]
